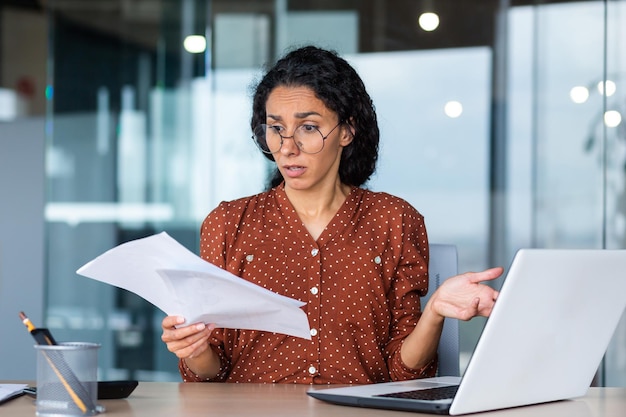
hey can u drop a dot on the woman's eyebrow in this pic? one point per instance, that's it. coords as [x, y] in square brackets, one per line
[300, 115]
[304, 115]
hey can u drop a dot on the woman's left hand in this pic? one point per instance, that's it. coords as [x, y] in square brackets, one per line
[464, 297]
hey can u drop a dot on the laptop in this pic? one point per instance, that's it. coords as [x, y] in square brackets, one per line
[546, 336]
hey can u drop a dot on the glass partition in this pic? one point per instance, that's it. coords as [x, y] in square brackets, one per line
[566, 135]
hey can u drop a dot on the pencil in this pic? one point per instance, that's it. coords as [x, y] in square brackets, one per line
[29, 325]
[43, 337]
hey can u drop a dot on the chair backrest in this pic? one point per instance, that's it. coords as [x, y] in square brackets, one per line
[443, 264]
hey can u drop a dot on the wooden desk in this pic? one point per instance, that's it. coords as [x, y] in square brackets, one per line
[156, 399]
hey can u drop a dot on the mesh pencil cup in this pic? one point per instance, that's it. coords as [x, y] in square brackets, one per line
[67, 379]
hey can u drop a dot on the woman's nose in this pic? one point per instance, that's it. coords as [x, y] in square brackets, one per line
[288, 145]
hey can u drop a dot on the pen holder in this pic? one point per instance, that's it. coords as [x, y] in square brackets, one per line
[67, 379]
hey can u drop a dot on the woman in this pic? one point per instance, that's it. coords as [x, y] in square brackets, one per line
[358, 258]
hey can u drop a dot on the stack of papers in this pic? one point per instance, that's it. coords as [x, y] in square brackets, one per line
[168, 275]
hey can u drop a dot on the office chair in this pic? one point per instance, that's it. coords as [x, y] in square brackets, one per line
[443, 264]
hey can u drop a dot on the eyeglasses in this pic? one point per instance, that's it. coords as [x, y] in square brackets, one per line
[308, 138]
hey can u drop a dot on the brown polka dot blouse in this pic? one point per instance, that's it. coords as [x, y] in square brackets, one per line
[361, 280]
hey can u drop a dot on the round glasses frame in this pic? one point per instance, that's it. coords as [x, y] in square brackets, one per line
[259, 138]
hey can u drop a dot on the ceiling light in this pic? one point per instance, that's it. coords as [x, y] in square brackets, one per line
[428, 21]
[579, 94]
[195, 44]
[610, 88]
[612, 118]
[453, 109]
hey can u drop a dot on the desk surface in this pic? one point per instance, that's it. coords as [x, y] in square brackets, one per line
[157, 399]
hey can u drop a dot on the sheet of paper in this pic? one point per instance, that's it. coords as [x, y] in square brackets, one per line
[10, 391]
[168, 275]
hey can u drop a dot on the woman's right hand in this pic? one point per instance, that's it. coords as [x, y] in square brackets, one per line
[186, 342]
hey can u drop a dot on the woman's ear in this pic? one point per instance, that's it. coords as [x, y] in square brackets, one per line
[348, 133]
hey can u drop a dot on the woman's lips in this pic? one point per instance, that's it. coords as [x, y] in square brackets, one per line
[294, 170]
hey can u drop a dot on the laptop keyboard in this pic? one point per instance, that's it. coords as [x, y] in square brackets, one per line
[429, 394]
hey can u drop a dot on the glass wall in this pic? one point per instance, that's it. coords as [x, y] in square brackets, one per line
[566, 136]
[483, 125]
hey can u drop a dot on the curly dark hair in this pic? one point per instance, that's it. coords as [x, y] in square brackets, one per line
[339, 87]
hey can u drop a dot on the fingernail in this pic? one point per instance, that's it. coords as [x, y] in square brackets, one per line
[200, 326]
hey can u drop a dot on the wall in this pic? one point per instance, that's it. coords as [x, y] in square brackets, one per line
[22, 178]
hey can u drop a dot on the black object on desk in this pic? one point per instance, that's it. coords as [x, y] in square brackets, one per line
[107, 390]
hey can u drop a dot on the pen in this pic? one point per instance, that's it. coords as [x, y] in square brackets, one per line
[61, 369]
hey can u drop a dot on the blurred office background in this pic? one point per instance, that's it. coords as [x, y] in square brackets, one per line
[501, 122]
